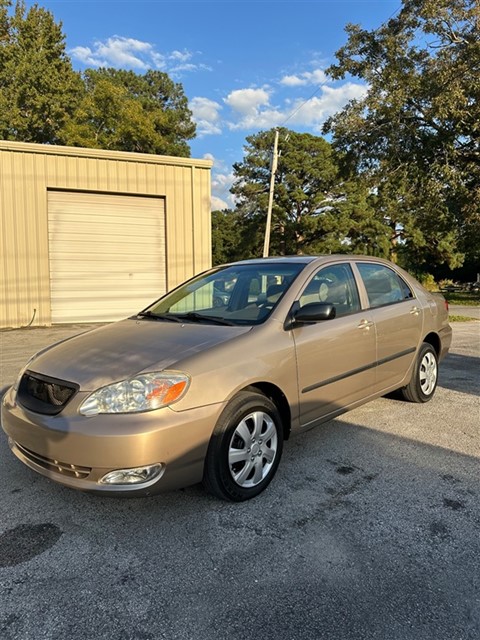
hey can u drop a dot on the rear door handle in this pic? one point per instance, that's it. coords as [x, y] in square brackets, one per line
[414, 311]
[365, 324]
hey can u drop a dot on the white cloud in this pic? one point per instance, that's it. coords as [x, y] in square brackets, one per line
[87, 57]
[251, 108]
[219, 165]
[189, 66]
[315, 111]
[205, 128]
[293, 81]
[260, 119]
[221, 183]
[118, 52]
[158, 60]
[317, 76]
[217, 204]
[129, 53]
[247, 101]
[181, 56]
[222, 180]
[206, 115]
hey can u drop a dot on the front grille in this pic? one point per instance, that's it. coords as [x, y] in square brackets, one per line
[43, 394]
[65, 469]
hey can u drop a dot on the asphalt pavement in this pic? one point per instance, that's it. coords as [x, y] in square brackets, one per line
[464, 310]
[370, 530]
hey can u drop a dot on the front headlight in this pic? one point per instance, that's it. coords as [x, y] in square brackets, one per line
[144, 392]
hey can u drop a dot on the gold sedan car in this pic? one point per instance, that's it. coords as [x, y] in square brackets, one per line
[208, 382]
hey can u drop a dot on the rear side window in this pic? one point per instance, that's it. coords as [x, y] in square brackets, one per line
[335, 285]
[383, 285]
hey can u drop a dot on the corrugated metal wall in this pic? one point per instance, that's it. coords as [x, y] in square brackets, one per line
[28, 171]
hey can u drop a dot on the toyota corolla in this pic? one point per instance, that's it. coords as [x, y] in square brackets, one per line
[202, 387]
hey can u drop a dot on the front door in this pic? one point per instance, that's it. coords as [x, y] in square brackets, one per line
[335, 358]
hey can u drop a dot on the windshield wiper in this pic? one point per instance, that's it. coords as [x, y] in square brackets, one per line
[158, 316]
[199, 317]
[190, 316]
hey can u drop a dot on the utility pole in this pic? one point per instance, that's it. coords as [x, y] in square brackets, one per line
[270, 195]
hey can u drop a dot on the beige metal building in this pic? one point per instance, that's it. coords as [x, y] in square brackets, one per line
[93, 236]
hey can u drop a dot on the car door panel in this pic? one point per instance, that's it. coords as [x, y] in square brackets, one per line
[335, 364]
[336, 358]
[398, 335]
[398, 319]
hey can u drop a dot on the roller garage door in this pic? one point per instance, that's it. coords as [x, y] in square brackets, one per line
[107, 255]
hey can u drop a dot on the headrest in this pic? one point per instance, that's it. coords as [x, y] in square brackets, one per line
[379, 284]
[275, 291]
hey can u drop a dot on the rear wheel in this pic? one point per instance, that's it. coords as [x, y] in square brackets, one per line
[245, 448]
[425, 376]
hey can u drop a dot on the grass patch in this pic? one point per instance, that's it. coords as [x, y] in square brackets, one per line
[467, 298]
[454, 318]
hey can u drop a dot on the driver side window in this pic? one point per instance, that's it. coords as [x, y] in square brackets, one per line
[335, 285]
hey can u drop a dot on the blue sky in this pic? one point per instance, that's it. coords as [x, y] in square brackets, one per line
[245, 65]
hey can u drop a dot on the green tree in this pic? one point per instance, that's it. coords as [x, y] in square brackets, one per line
[415, 136]
[318, 207]
[38, 87]
[42, 99]
[126, 111]
[226, 237]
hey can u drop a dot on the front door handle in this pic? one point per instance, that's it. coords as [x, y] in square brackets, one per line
[365, 324]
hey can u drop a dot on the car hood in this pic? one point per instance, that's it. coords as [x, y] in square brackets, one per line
[118, 351]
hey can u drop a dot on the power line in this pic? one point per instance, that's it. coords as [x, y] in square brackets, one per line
[303, 104]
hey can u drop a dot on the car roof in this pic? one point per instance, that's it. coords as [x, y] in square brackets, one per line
[307, 259]
[278, 259]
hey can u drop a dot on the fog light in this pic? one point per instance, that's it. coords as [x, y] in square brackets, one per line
[138, 475]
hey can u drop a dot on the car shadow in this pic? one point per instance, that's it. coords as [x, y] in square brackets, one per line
[460, 373]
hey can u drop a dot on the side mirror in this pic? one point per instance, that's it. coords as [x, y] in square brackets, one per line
[314, 312]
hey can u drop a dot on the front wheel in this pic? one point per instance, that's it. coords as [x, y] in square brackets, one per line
[425, 376]
[245, 448]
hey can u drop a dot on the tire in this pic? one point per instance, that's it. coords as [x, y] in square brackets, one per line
[425, 376]
[245, 448]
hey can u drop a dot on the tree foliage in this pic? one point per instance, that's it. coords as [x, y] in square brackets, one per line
[415, 136]
[125, 111]
[42, 99]
[38, 87]
[226, 237]
[318, 206]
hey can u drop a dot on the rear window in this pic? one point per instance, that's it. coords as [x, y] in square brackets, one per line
[383, 285]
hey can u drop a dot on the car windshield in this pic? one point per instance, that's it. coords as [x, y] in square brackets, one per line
[242, 294]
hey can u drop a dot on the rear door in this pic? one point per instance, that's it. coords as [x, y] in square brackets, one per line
[335, 358]
[398, 319]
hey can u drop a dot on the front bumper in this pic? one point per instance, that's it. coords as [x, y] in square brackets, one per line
[77, 451]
